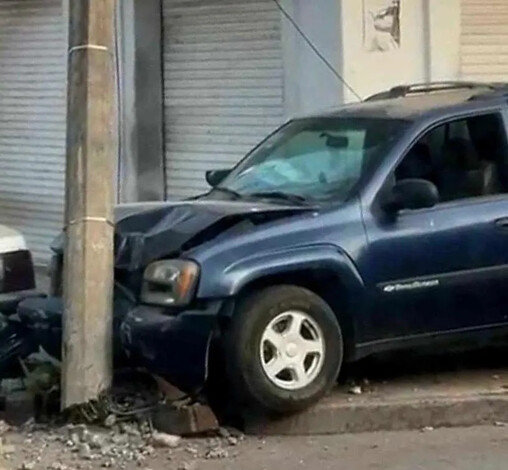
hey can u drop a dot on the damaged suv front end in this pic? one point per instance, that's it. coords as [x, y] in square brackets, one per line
[160, 323]
[169, 331]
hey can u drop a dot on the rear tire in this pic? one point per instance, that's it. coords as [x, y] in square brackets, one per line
[284, 349]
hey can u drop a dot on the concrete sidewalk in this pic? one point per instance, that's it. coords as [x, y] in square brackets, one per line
[445, 391]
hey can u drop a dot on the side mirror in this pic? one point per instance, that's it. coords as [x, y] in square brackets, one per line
[216, 177]
[412, 194]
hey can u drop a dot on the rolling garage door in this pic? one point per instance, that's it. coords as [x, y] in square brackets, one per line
[223, 83]
[32, 119]
[485, 40]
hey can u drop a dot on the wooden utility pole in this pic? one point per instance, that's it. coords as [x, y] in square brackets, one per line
[91, 156]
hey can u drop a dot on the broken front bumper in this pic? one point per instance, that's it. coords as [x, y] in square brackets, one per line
[175, 347]
[42, 317]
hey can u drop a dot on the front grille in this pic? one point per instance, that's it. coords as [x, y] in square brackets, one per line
[17, 271]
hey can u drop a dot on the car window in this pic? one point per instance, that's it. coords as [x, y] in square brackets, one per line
[466, 158]
[318, 159]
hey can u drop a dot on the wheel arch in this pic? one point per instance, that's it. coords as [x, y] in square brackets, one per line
[326, 284]
[324, 270]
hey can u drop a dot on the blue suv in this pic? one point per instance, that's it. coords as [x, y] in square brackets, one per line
[379, 226]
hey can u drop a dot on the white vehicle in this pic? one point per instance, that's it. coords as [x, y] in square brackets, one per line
[17, 275]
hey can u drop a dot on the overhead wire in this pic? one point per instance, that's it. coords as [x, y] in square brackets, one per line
[316, 50]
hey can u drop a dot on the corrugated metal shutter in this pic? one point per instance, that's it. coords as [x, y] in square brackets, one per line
[223, 80]
[485, 40]
[32, 119]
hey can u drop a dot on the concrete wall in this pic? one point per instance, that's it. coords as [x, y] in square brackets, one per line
[429, 50]
[444, 39]
[141, 110]
[309, 85]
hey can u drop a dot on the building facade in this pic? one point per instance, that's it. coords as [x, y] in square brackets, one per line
[202, 81]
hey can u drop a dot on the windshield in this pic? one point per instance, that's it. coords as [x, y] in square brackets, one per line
[314, 159]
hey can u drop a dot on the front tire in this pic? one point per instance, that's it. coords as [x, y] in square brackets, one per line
[284, 349]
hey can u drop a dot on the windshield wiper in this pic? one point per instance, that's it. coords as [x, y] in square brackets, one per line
[231, 192]
[289, 197]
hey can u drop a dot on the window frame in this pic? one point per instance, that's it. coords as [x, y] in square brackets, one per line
[502, 112]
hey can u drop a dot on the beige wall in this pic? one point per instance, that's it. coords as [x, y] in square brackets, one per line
[430, 47]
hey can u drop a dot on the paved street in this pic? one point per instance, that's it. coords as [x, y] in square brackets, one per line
[478, 448]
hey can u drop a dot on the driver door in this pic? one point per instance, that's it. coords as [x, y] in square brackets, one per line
[443, 269]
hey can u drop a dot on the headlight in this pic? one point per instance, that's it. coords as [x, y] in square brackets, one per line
[169, 283]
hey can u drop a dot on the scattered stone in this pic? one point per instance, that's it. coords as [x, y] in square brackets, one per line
[130, 429]
[110, 421]
[27, 466]
[82, 431]
[355, 390]
[160, 439]
[224, 433]
[191, 450]
[84, 451]
[216, 454]
[500, 424]
[7, 449]
[95, 441]
[119, 439]
[427, 429]
[232, 441]
[4, 427]
[58, 466]
[148, 450]
[187, 466]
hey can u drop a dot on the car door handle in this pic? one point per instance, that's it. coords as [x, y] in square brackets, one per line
[502, 223]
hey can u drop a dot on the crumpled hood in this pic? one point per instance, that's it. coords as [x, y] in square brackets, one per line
[151, 231]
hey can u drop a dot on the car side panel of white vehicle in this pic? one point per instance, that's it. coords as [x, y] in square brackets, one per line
[11, 240]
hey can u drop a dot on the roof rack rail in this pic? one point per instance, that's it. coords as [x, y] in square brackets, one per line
[421, 88]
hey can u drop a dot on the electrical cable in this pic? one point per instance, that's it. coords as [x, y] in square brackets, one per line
[316, 50]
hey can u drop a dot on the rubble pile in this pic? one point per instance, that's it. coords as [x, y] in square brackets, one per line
[123, 446]
[115, 432]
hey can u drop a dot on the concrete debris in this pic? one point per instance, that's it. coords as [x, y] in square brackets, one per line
[96, 441]
[7, 449]
[84, 451]
[187, 466]
[130, 429]
[216, 453]
[355, 390]
[58, 466]
[232, 441]
[110, 421]
[4, 427]
[27, 466]
[160, 439]
[191, 450]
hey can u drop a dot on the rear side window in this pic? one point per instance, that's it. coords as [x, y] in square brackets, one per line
[466, 158]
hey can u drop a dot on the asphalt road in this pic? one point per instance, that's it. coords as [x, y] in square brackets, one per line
[481, 448]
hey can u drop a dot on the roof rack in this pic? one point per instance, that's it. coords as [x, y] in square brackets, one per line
[421, 88]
